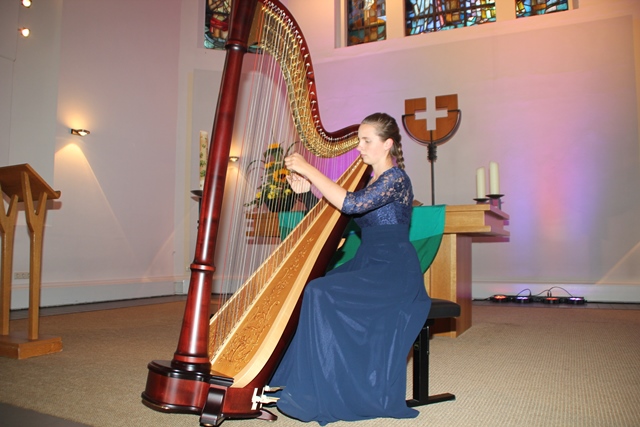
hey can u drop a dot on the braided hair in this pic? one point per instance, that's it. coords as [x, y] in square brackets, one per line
[386, 127]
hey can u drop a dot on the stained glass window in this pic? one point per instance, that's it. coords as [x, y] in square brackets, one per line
[216, 23]
[538, 7]
[423, 16]
[367, 21]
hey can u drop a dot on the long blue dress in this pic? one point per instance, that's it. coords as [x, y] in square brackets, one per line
[347, 359]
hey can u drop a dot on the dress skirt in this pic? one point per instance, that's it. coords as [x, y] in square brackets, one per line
[347, 359]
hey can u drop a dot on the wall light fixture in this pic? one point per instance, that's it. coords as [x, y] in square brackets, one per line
[80, 132]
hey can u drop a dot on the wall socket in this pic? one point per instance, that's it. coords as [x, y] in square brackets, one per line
[21, 275]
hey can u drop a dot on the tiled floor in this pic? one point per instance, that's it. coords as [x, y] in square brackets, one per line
[12, 416]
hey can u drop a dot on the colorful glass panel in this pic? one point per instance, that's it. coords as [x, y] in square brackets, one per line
[367, 21]
[424, 16]
[539, 7]
[216, 24]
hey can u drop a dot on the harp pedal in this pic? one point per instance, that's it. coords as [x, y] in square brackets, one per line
[264, 399]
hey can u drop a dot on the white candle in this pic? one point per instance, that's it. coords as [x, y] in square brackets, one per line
[494, 178]
[481, 189]
[204, 155]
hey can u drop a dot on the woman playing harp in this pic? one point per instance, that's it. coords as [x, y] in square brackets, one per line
[347, 360]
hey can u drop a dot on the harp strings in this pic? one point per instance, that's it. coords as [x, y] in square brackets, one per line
[274, 99]
[267, 121]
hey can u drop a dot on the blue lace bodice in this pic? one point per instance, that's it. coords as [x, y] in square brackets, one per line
[386, 201]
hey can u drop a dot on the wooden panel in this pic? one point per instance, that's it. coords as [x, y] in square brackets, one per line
[264, 224]
[11, 182]
[450, 274]
[17, 346]
[417, 127]
[479, 220]
[449, 277]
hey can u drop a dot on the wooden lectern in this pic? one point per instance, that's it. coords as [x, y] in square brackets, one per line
[449, 276]
[21, 183]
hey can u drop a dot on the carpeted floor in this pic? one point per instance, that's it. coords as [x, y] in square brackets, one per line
[517, 366]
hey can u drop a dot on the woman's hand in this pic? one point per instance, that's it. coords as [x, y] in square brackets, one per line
[329, 189]
[298, 183]
[296, 163]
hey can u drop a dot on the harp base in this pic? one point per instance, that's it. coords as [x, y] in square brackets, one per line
[174, 389]
[231, 403]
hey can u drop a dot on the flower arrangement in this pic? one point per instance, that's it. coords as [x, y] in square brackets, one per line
[274, 190]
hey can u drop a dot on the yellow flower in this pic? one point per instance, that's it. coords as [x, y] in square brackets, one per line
[280, 175]
[274, 185]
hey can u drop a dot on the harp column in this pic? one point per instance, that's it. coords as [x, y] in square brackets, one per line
[182, 384]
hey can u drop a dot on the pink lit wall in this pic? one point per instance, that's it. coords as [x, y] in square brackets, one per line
[554, 100]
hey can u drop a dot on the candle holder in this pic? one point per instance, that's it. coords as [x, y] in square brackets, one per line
[496, 200]
[481, 200]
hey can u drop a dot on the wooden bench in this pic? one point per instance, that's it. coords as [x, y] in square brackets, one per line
[440, 309]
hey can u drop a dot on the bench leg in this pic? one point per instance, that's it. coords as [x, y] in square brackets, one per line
[421, 372]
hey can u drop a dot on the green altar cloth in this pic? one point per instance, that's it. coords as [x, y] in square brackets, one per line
[287, 221]
[425, 232]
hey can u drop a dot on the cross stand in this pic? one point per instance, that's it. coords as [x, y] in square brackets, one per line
[20, 183]
[446, 127]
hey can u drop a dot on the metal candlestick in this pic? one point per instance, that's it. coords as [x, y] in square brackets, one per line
[496, 200]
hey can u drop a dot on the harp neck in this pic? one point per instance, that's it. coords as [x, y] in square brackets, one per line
[281, 30]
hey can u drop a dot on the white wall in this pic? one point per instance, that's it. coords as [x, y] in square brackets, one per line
[553, 99]
[30, 72]
[9, 17]
[110, 67]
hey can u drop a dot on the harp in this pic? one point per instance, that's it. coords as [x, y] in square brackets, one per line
[220, 367]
